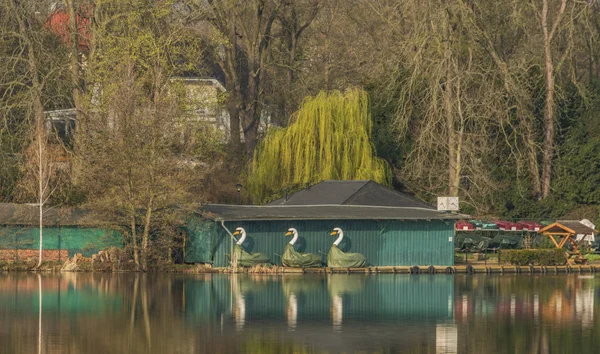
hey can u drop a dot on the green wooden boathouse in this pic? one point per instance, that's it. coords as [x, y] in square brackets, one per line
[388, 227]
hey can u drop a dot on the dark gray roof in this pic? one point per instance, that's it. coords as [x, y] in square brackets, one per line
[351, 193]
[27, 214]
[229, 212]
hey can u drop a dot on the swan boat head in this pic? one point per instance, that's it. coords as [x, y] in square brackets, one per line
[291, 231]
[337, 232]
[240, 231]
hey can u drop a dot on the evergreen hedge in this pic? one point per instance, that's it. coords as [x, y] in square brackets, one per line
[541, 257]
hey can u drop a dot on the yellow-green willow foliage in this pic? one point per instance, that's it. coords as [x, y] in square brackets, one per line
[330, 139]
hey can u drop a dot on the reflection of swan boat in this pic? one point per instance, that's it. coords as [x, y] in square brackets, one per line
[338, 258]
[297, 284]
[292, 287]
[338, 285]
[337, 312]
[239, 305]
[246, 259]
[243, 288]
[293, 258]
[292, 311]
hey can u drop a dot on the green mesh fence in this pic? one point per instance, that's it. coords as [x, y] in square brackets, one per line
[86, 241]
[203, 237]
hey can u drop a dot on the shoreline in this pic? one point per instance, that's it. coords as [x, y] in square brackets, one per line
[88, 267]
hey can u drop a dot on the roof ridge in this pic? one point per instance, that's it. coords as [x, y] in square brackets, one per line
[390, 189]
[356, 191]
[405, 194]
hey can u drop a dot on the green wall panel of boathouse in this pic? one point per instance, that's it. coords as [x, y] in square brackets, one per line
[384, 243]
[86, 241]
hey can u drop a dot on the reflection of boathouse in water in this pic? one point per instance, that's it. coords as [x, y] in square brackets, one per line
[358, 297]
[388, 227]
[311, 308]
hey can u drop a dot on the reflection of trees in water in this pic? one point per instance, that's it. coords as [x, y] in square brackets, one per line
[152, 314]
[560, 300]
[40, 313]
[529, 314]
[149, 320]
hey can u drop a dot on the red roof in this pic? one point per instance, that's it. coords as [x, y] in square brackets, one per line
[464, 225]
[507, 225]
[530, 225]
[58, 23]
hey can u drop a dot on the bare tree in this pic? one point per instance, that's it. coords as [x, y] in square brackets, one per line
[449, 105]
[134, 158]
[27, 59]
[549, 31]
[245, 29]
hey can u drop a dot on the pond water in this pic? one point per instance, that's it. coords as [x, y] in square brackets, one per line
[129, 313]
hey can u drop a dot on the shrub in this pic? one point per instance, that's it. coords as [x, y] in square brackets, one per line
[541, 257]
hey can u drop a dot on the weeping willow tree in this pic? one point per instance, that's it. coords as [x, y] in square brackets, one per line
[329, 139]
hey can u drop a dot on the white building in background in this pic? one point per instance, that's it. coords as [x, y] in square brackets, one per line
[206, 105]
[206, 102]
[589, 238]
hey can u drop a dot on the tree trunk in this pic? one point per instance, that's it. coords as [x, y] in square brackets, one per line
[244, 99]
[452, 153]
[39, 137]
[459, 137]
[234, 125]
[251, 126]
[252, 112]
[136, 257]
[146, 234]
[448, 98]
[235, 98]
[42, 174]
[532, 158]
[548, 147]
[75, 62]
[292, 58]
[41, 211]
[41, 171]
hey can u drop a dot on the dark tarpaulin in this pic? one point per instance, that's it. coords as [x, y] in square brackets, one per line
[246, 259]
[336, 258]
[293, 258]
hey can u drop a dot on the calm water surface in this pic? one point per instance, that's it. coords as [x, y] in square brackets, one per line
[103, 313]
